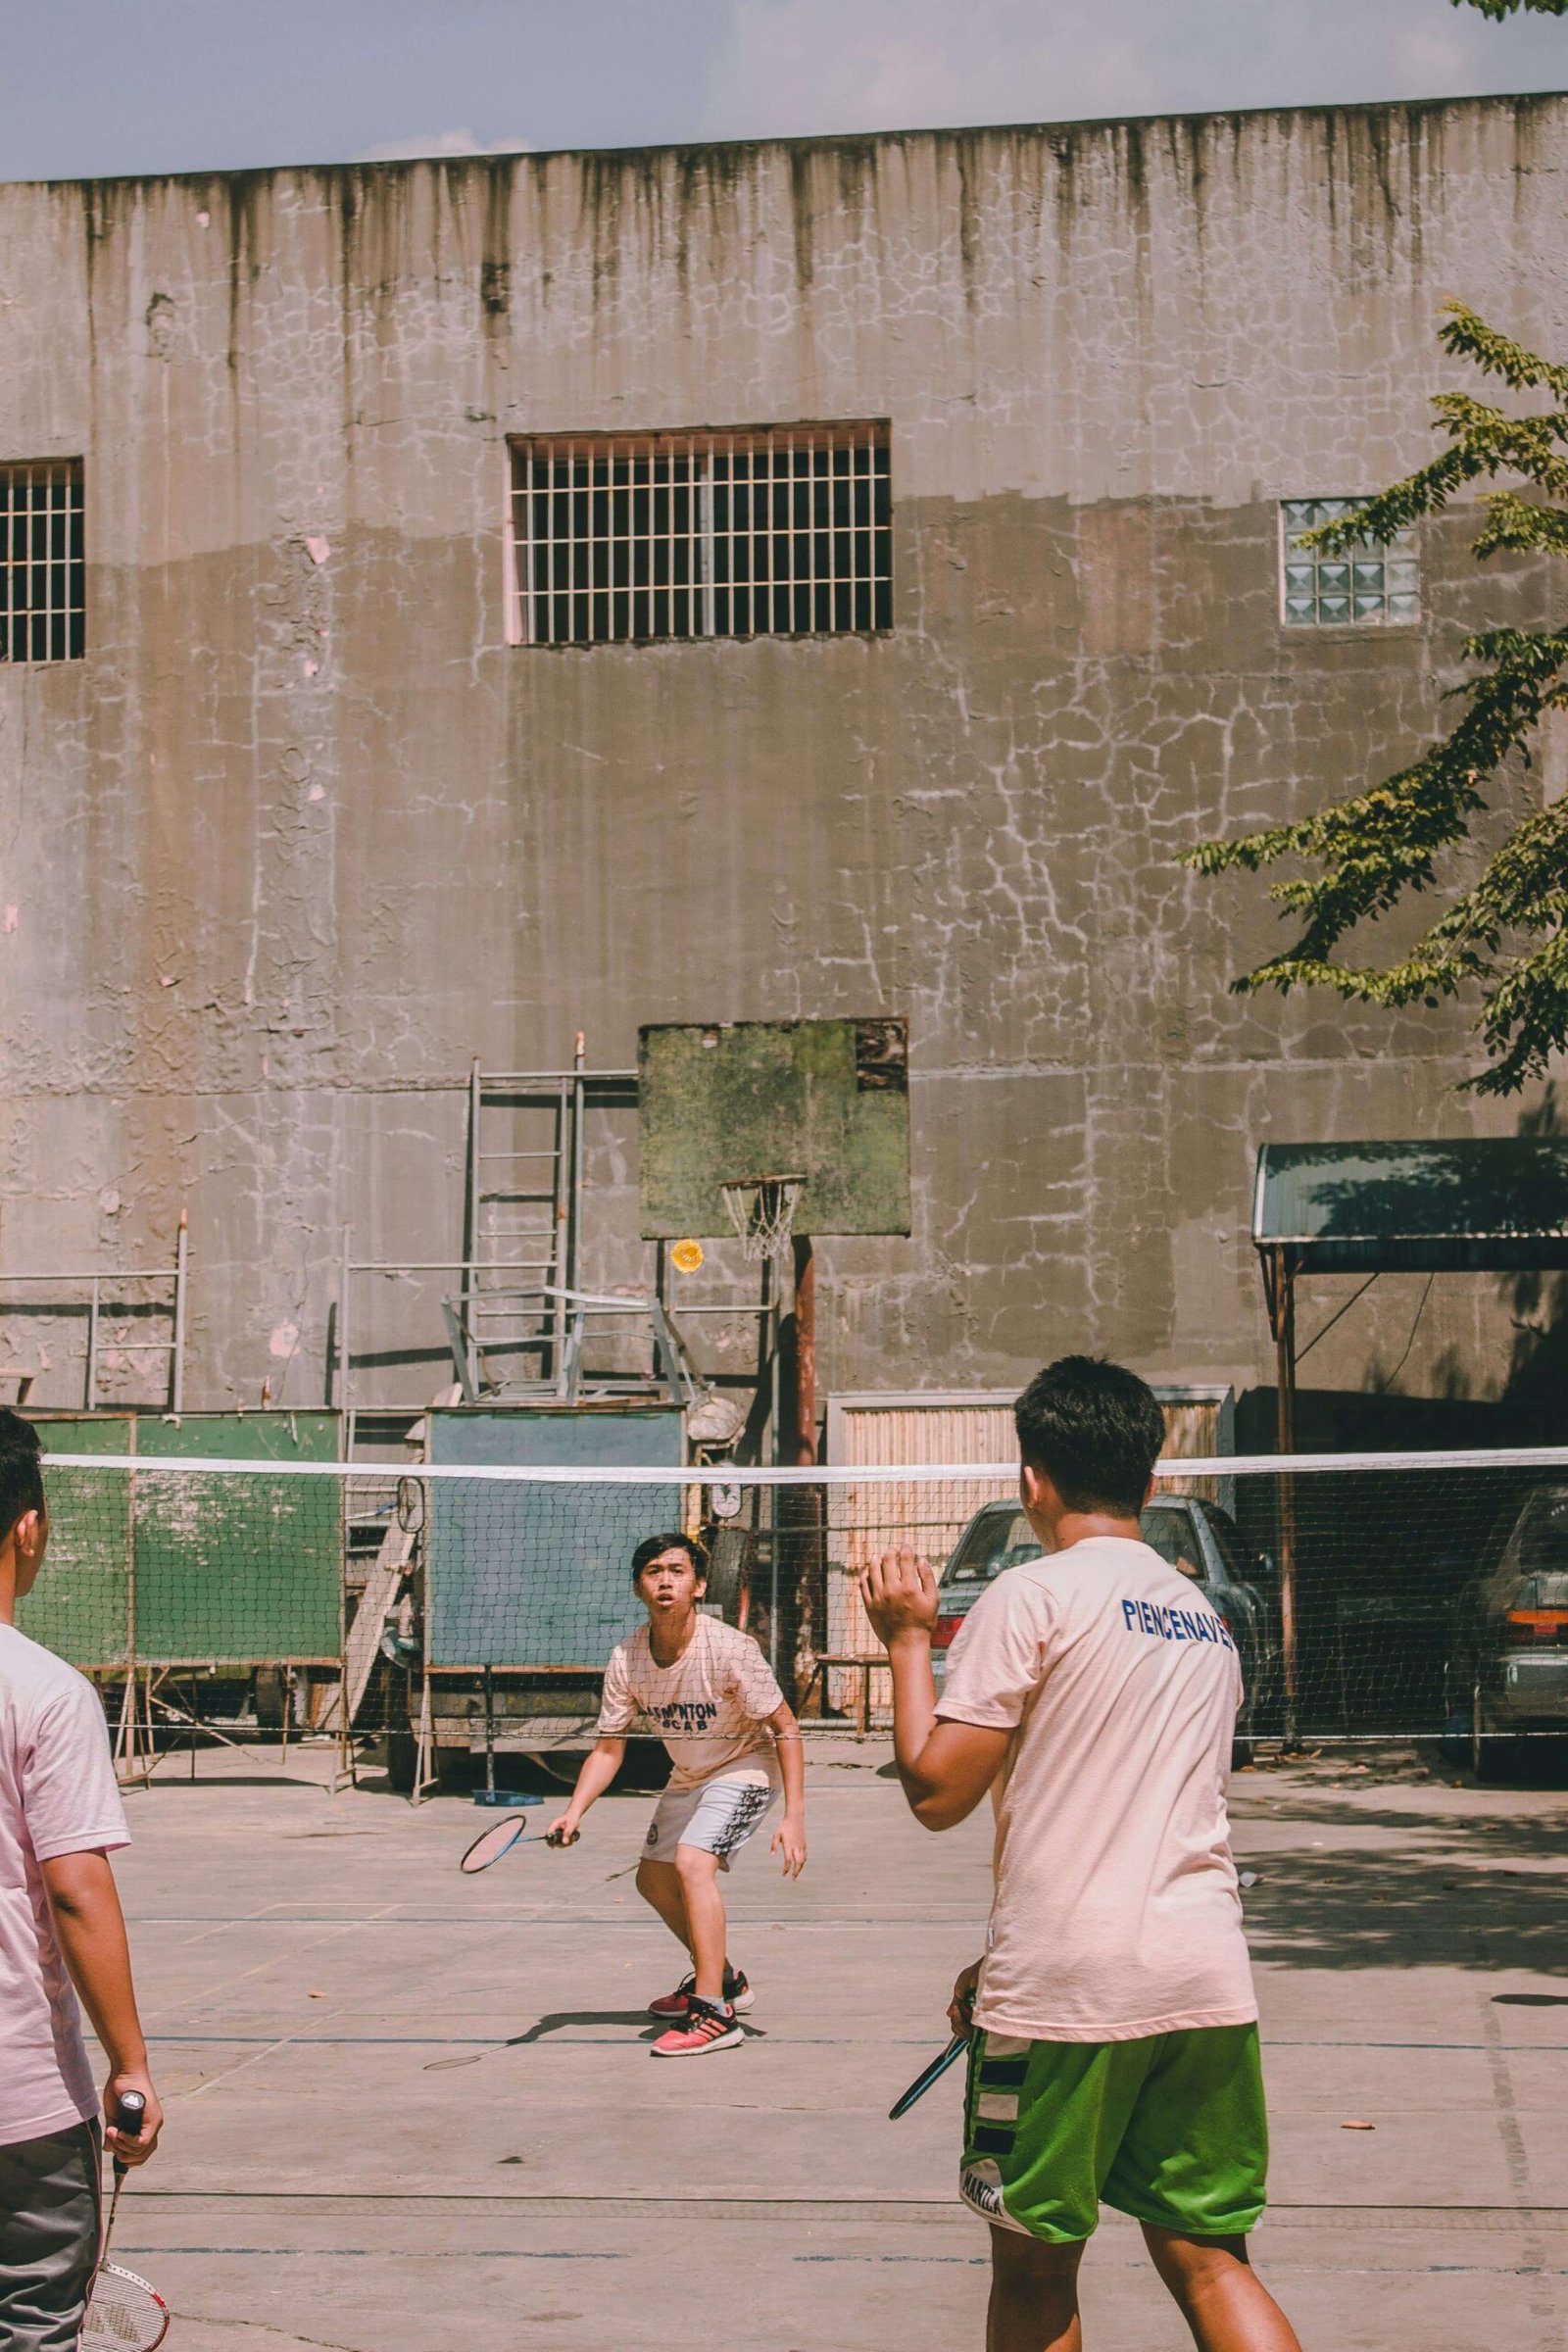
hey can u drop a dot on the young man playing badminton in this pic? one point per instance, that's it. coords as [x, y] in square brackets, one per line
[60, 1925]
[1113, 2054]
[733, 1741]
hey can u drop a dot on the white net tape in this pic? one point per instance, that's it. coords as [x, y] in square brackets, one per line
[1371, 1595]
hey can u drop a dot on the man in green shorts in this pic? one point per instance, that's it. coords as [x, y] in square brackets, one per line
[1114, 2047]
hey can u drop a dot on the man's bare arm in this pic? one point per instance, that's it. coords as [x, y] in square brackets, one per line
[599, 1768]
[789, 1839]
[91, 1931]
[946, 1768]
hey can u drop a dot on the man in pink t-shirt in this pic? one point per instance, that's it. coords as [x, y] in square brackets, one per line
[1113, 2051]
[59, 1928]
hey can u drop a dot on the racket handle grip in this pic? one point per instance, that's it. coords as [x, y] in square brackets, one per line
[131, 2109]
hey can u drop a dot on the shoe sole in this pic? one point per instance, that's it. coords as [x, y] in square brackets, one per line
[704, 2049]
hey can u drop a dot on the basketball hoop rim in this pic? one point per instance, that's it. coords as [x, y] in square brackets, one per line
[764, 1224]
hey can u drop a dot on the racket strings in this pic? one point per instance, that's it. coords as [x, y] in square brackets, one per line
[124, 2314]
[500, 1838]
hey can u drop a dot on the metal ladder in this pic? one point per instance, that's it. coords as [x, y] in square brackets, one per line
[520, 1229]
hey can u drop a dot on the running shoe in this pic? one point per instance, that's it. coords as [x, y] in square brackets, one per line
[737, 1992]
[703, 2028]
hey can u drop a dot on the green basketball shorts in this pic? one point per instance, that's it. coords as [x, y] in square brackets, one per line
[1171, 2129]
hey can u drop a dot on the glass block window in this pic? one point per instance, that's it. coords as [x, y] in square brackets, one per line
[1366, 586]
[43, 571]
[772, 530]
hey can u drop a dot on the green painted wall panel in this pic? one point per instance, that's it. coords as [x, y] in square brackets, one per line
[80, 1606]
[238, 1569]
[538, 1576]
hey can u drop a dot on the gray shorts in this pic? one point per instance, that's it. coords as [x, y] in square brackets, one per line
[49, 2223]
[718, 1816]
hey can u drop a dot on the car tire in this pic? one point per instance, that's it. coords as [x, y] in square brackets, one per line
[1244, 1752]
[729, 1569]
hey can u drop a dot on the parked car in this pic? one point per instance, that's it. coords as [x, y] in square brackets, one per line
[1194, 1536]
[1508, 1664]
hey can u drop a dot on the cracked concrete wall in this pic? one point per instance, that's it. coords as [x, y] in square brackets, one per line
[303, 833]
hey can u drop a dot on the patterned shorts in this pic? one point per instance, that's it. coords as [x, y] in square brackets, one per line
[718, 1815]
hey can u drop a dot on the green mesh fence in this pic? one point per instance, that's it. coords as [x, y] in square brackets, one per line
[169, 1568]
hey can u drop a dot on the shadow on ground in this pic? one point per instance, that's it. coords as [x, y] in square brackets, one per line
[557, 2020]
[1382, 1907]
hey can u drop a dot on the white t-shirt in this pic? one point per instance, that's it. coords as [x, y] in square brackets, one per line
[57, 1796]
[710, 1708]
[1116, 1913]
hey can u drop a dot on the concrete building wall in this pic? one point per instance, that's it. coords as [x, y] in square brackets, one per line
[303, 833]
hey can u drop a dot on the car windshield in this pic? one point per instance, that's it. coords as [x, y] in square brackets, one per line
[998, 1540]
[1537, 1555]
[1228, 1540]
[1001, 1538]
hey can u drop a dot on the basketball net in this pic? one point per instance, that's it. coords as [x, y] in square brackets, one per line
[761, 1209]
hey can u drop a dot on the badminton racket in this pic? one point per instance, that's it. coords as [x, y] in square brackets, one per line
[123, 2313]
[500, 1838]
[932, 2073]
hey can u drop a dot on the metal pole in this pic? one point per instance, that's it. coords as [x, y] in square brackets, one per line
[471, 1210]
[805, 1353]
[93, 1347]
[572, 1253]
[810, 1589]
[470, 1221]
[130, 1561]
[344, 1279]
[176, 1379]
[1283, 1316]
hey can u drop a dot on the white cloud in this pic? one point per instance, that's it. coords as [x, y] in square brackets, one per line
[785, 67]
[799, 64]
[441, 142]
[1432, 58]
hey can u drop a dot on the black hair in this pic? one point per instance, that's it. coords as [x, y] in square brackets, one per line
[21, 1478]
[652, 1547]
[1094, 1429]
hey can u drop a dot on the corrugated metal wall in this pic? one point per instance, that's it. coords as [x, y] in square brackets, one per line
[952, 1431]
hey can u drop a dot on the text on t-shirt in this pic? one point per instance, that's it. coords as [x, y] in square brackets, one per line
[1174, 1625]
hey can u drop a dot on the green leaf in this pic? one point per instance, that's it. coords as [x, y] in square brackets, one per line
[1500, 10]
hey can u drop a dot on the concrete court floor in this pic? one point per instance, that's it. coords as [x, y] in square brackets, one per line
[410, 2112]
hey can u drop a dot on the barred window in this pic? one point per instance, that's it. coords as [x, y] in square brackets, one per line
[1376, 584]
[43, 571]
[774, 530]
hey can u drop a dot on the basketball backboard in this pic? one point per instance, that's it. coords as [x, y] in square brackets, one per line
[727, 1102]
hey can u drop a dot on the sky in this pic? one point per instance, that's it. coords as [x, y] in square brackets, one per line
[108, 87]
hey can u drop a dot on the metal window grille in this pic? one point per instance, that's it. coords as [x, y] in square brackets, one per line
[1367, 585]
[776, 530]
[43, 567]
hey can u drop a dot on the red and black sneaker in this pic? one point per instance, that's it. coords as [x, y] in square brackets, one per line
[705, 2027]
[737, 1992]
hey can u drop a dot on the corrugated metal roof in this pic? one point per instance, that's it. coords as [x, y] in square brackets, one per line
[1485, 1204]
